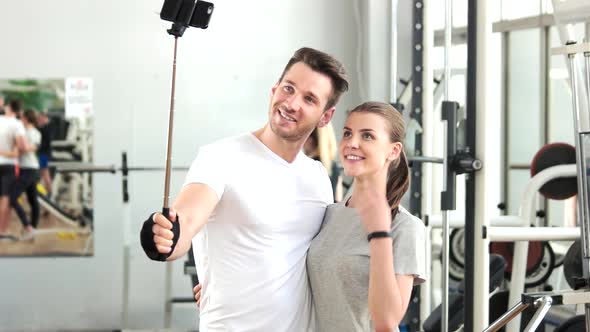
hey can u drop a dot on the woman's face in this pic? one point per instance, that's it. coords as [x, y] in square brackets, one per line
[365, 147]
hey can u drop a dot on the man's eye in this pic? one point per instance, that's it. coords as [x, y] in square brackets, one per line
[288, 88]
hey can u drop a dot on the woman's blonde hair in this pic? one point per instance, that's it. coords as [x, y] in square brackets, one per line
[326, 146]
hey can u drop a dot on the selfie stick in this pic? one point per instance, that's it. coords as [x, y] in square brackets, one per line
[183, 13]
[166, 207]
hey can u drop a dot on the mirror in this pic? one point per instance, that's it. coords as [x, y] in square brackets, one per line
[50, 210]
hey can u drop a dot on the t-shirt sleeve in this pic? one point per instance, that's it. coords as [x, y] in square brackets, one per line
[207, 168]
[36, 138]
[408, 250]
[327, 192]
[19, 129]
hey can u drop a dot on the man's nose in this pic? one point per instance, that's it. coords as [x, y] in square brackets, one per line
[293, 102]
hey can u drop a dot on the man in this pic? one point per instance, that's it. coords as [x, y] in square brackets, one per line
[12, 137]
[44, 151]
[251, 205]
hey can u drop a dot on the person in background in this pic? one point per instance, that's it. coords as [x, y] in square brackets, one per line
[321, 145]
[28, 176]
[44, 150]
[12, 138]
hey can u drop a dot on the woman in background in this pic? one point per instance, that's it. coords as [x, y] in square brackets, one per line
[322, 146]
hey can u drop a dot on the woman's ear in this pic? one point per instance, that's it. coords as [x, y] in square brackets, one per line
[396, 150]
[326, 117]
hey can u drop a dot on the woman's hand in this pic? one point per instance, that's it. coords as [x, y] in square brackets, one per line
[197, 291]
[373, 209]
[370, 201]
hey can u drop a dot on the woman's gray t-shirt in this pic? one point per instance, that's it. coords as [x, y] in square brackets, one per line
[338, 266]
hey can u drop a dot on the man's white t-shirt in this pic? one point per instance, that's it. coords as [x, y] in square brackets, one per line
[250, 256]
[9, 128]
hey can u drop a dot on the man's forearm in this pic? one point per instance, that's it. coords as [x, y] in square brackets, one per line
[187, 233]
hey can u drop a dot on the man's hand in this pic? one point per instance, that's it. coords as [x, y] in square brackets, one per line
[159, 236]
[167, 239]
[197, 291]
[162, 230]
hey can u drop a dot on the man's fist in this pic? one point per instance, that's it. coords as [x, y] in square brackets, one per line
[162, 230]
[159, 235]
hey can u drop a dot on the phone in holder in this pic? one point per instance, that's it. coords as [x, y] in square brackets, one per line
[202, 15]
[187, 13]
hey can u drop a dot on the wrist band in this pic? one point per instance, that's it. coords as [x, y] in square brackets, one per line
[379, 234]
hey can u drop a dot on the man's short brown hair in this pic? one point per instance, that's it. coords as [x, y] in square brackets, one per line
[325, 64]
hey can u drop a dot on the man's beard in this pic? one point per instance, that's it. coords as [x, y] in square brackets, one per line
[290, 136]
[298, 134]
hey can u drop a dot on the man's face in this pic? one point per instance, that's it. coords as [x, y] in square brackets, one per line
[42, 119]
[298, 102]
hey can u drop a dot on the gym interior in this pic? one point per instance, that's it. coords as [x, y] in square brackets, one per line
[495, 95]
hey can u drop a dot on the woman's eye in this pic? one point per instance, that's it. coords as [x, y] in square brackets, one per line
[367, 136]
[346, 134]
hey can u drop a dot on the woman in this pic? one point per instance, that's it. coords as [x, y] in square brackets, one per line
[370, 250]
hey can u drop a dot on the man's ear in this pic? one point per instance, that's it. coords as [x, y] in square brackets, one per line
[326, 117]
[274, 88]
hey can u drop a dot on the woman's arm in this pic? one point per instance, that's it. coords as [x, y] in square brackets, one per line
[389, 293]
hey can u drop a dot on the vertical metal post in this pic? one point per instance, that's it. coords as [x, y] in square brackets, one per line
[544, 69]
[447, 46]
[393, 53]
[418, 304]
[470, 140]
[445, 211]
[582, 174]
[126, 242]
[505, 173]
[587, 62]
[416, 111]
